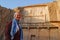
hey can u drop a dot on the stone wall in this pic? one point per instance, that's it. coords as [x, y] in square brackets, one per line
[6, 15]
[53, 11]
[33, 30]
[58, 4]
[36, 13]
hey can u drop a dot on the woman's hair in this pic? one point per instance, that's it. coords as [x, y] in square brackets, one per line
[19, 9]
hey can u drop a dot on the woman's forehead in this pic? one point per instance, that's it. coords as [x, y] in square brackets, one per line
[18, 13]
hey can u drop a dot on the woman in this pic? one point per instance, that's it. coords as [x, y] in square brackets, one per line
[13, 29]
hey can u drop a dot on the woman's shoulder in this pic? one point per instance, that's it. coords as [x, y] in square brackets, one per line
[8, 24]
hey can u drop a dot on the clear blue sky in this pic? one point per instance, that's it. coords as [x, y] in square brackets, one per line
[16, 3]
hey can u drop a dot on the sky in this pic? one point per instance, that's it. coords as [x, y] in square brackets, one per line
[19, 3]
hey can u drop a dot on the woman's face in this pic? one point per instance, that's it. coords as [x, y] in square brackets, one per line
[18, 16]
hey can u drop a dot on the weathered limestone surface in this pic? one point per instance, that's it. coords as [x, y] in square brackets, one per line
[35, 31]
[53, 11]
[6, 15]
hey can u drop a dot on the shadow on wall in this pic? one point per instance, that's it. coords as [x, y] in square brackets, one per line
[6, 16]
